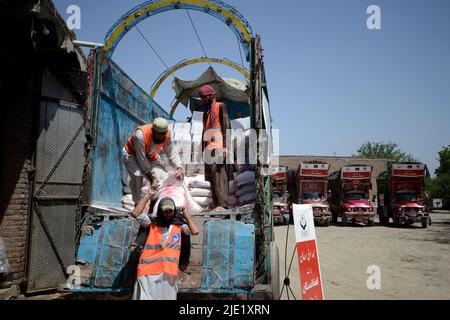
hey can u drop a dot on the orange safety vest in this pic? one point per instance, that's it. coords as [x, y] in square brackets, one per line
[156, 258]
[148, 139]
[213, 131]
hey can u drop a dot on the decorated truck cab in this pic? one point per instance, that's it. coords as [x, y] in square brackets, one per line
[401, 195]
[349, 197]
[312, 183]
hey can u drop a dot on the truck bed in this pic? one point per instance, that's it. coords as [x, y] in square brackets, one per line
[223, 249]
[226, 238]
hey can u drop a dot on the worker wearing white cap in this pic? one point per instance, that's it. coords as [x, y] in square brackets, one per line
[141, 155]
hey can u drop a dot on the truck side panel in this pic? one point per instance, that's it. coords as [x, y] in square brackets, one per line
[228, 262]
[122, 106]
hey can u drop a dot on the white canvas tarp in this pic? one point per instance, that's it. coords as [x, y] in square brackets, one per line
[231, 89]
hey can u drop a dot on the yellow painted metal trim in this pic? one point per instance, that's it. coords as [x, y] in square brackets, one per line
[169, 72]
[128, 21]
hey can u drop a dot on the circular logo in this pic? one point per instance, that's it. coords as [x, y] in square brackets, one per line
[176, 238]
[303, 222]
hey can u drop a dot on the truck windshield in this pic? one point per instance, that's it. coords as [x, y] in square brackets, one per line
[354, 196]
[406, 196]
[312, 196]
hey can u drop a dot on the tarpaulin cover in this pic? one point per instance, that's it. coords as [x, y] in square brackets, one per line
[227, 89]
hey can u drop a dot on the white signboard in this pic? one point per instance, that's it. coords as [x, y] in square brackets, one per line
[307, 252]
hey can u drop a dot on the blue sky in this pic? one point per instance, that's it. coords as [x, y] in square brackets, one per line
[333, 83]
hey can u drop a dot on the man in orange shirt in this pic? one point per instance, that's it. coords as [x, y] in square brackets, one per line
[216, 122]
[141, 155]
[157, 275]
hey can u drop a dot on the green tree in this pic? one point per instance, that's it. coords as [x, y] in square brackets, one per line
[439, 187]
[383, 150]
[444, 161]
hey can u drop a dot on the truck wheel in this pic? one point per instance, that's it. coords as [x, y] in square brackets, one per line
[424, 223]
[334, 218]
[344, 220]
[327, 223]
[383, 219]
[396, 221]
[275, 271]
[370, 223]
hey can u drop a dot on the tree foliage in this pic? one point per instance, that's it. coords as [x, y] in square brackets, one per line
[439, 187]
[383, 150]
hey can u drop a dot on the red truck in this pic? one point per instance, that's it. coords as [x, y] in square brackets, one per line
[349, 196]
[401, 195]
[281, 214]
[312, 186]
[280, 177]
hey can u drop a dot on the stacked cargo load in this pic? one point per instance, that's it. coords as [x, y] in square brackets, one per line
[242, 190]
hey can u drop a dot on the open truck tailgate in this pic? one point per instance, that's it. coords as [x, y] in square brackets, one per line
[222, 257]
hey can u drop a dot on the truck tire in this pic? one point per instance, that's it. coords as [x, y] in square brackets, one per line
[334, 218]
[275, 271]
[370, 223]
[424, 223]
[344, 220]
[396, 222]
[383, 220]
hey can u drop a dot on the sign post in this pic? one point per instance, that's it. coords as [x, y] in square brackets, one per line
[308, 255]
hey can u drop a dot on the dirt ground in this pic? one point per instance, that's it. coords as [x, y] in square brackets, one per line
[414, 262]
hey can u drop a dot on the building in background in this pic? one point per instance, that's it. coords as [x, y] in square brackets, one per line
[42, 97]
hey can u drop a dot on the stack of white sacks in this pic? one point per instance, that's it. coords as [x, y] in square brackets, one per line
[127, 199]
[188, 139]
[242, 190]
[200, 190]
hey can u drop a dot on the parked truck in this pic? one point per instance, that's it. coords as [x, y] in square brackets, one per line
[281, 213]
[349, 196]
[401, 195]
[280, 180]
[235, 254]
[312, 186]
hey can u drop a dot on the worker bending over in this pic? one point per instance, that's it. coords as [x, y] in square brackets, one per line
[141, 155]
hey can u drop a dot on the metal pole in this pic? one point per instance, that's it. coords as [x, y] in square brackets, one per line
[88, 44]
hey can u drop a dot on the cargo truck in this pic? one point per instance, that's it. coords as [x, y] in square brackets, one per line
[312, 186]
[281, 214]
[349, 197]
[401, 195]
[280, 180]
[235, 253]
